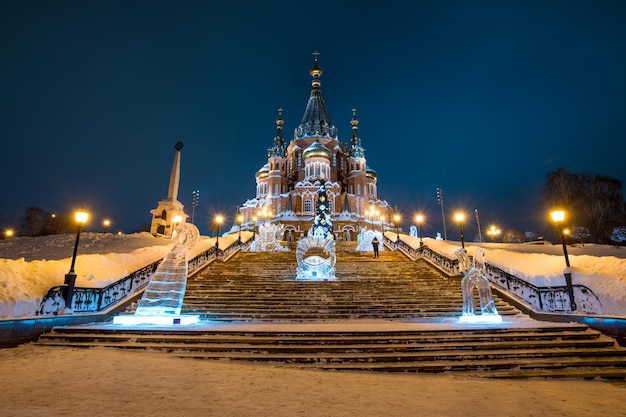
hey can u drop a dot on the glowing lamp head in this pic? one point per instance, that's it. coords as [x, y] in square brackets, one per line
[219, 219]
[459, 217]
[558, 216]
[396, 218]
[81, 217]
[8, 232]
[419, 218]
[254, 218]
[177, 219]
[240, 218]
[107, 222]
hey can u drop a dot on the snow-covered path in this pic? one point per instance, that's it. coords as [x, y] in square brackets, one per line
[46, 381]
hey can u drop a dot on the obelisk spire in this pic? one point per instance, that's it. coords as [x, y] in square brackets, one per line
[172, 191]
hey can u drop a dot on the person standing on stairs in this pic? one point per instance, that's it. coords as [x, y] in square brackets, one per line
[375, 245]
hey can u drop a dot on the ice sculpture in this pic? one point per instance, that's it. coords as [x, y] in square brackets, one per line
[365, 241]
[474, 276]
[413, 231]
[162, 300]
[268, 238]
[316, 267]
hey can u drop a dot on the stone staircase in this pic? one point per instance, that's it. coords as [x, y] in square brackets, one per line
[544, 350]
[262, 287]
[388, 315]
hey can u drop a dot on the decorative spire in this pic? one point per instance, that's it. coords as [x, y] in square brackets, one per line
[356, 150]
[279, 149]
[316, 122]
[172, 191]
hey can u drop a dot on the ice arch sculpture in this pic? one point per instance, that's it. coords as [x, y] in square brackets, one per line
[474, 277]
[365, 241]
[268, 238]
[316, 267]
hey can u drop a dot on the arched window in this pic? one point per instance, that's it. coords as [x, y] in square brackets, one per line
[358, 189]
[307, 206]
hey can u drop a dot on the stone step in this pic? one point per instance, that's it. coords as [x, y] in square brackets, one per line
[554, 351]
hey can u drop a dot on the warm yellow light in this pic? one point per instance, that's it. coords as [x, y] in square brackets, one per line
[219, 219]
[459, 217]
[419, 218]
[254, 219]
[240, 218]
[566, 231]
[396, 218]
[81, 217]
[8, 232]
[107, 222]
[558, 216]
[177, 219]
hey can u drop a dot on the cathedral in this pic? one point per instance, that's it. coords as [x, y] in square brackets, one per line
[288, 185]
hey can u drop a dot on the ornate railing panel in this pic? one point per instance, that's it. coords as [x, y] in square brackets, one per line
[91, 299]
[547, 299]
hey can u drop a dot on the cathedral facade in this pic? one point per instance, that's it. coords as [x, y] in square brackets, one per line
[287, 185]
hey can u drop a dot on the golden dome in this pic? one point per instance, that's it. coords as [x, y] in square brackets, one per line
[317, 150]
[263, 172]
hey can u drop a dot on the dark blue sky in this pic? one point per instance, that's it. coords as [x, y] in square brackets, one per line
[480, 98]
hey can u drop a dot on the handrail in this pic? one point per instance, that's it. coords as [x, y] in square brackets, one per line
[94, 299]
[545, 299]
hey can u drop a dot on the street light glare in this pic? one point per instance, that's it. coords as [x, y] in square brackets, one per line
[219, 219]
[419, 218]
[558, 215]
[459, 217]
[81, 217]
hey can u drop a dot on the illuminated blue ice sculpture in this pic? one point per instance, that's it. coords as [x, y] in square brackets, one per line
[474, 277]
[162, 301]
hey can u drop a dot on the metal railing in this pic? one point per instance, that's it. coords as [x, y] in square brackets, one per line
[545, 299]
[92, 299]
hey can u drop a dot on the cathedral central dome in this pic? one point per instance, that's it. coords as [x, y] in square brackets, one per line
[317, 150]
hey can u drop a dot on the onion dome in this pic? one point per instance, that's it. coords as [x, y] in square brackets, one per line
[317, 150]
[263, 172]
[370, 173]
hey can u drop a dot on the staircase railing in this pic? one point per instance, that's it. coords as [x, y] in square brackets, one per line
[93, 299]
[545, 299]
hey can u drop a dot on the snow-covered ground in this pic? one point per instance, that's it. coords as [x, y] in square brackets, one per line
[46, 381]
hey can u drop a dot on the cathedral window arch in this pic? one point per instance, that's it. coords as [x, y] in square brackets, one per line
[351, 189]
[358, 166]
[358, 189]
[275, 188]
[307, 206]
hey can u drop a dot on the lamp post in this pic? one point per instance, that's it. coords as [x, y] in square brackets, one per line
[493, 232]
[254, 218]
[70, 278]
[559, 216]
[239, 222]
[459, 218]
[106, 223]
[396, 222]
[443, 217]
[419, 219]
[218, 220]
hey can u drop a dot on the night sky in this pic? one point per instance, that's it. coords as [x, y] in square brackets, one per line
[480, 98]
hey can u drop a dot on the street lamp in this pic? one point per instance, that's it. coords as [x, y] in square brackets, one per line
[396, 221]
[239, 221]
[559, 216]
[70, 278]
[419, 219]
[218, 220]
[8, 233]
[493, 232]
[106, 223]
[459, 218]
